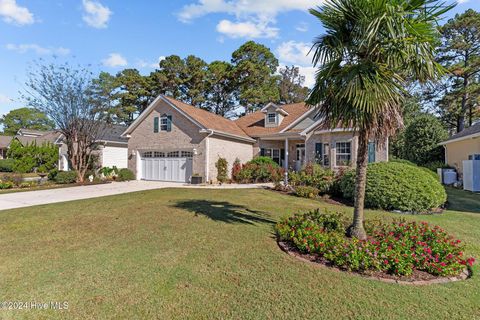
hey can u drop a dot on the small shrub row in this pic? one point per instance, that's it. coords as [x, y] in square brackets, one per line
[396, 248]
[66, 177]
[125, 175]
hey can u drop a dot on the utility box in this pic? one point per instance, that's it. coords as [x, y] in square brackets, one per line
[471, 175]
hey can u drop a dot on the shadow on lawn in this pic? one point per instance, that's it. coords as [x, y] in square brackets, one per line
[224, 211]
[460, 200]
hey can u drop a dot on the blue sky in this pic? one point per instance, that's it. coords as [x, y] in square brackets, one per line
[111, 35]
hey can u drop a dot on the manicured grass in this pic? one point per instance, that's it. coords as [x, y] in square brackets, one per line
[202, 254]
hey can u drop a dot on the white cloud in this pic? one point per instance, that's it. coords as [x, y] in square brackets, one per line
[145, 64]
[246, 29]
[13, 13]
[4, 99]
[254, 18]
[96, 15]
[295, 53]
[302, 27]
[309, 73]
[115, 60]
[241, 8]
[24, 48]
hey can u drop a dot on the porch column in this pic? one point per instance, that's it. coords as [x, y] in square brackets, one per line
[285, 162]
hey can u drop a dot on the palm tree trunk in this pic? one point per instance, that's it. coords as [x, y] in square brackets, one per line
[357, 229]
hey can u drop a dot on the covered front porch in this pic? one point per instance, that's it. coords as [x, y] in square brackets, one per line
[288, 151]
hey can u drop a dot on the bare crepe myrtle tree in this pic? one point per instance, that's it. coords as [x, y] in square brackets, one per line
[64, 93]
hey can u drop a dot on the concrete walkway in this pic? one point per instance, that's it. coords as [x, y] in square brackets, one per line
[40, 197]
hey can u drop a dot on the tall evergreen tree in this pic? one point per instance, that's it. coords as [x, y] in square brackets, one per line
[460, 54]
[254, 70]
[291, 85]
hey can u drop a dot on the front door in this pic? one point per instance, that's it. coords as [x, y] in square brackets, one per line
[300, 157]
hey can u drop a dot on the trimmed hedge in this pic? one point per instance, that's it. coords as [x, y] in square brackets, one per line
[125, 175]
[6, 165]
[66, 177]
[397, 186]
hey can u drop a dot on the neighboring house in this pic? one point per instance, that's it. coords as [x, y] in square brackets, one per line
[462, 146]
[112, 151]
[171, 141]
[4, 143]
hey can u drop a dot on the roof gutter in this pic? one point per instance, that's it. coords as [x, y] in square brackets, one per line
[471, 136]
[228, 135]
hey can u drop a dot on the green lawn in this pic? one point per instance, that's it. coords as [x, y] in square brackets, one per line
[202, 254]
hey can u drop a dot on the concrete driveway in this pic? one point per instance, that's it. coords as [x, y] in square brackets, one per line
[40, 197]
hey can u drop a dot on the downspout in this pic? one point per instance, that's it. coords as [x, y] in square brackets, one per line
[207, 155]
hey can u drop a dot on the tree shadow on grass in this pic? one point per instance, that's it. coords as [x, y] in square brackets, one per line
[224, 211]
[460, 200]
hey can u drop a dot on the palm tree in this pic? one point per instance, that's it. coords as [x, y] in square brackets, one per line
[371, 50]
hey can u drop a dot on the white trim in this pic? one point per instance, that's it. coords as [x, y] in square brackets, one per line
[149, 109]
[298, 120]
[228, 135]
[207, 156]
[277, 108]
[110, 141]
[470, 136]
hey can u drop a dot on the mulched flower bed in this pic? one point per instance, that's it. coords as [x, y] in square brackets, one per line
[395, 251]
[418, 277]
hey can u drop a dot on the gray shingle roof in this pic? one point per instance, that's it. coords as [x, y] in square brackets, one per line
[5, 141]
[474, 129]
[113, 133]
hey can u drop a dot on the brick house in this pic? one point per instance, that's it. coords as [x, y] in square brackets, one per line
[171, 140]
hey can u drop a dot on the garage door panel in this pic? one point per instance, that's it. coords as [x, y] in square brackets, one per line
[167, 169]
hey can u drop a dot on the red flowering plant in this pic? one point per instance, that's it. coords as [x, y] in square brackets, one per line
[397, 248]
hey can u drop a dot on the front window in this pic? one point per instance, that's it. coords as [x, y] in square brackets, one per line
[272, 118]
[164, 123]
[275, 154]
[344, 153]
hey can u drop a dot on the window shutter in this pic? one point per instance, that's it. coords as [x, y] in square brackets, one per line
[169, 123]
[318, 152]
[371, 152]
[262, 152]
[155, 124]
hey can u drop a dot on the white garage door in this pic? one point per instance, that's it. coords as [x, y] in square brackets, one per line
[162, 168]
[115, 156]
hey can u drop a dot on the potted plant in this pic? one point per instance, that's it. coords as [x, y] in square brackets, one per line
[196, 179]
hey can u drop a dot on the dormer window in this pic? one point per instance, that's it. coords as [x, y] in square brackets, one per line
[272, 118]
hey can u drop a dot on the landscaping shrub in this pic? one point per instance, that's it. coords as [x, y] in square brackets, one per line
[313, 175]
[396, 248]
[6, 185]
[32, 157]
[52, 174]
[397, 186]
[6, 165]
[222, 168]
[403, 161]
[236, 168]
[263, 172]
[66, 177]
[306, 192]
[125, 175]
[263, 161]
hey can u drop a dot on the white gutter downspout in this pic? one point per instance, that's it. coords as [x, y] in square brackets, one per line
[207, 155]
